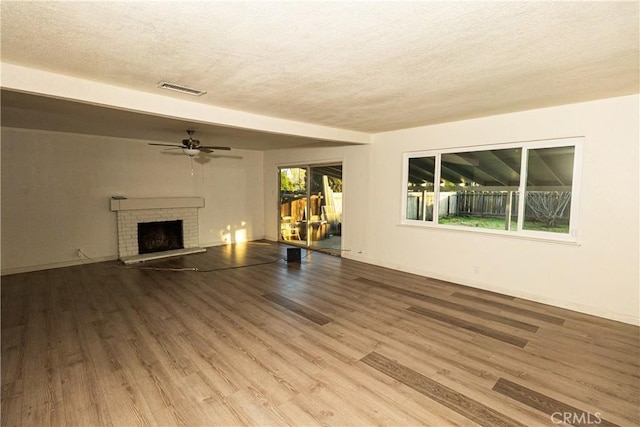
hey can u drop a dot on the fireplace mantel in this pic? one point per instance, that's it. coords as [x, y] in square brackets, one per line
[124, 204]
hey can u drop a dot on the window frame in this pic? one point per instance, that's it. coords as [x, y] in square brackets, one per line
[519, 232]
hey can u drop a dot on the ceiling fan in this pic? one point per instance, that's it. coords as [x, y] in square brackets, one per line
[191, 147]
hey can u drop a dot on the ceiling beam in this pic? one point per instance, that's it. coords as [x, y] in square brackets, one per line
[545, 166]
[29, 80]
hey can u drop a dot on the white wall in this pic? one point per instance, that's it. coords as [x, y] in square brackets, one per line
[599, 276]
[56, 189]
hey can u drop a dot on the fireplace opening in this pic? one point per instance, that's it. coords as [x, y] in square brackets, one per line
[159, 236]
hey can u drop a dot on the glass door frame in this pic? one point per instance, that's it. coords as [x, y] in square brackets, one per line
[307, 241]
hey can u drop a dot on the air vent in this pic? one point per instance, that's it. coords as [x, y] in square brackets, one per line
[179, 88]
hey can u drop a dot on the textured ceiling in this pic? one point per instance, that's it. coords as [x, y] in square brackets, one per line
[366, 66]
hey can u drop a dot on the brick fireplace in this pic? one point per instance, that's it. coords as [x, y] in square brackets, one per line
[131, 212]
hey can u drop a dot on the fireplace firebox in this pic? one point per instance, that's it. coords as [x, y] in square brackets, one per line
[159, 236]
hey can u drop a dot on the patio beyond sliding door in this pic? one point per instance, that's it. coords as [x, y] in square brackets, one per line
[310, 206]
[293, 204]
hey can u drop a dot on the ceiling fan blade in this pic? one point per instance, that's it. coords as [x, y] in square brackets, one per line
[191, 145]
[215, 148]
[164, 145]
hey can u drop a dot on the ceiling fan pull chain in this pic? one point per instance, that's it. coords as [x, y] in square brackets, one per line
[191, 157]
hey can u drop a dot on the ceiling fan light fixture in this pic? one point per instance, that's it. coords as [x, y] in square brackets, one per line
[191, 152]
[181, 88]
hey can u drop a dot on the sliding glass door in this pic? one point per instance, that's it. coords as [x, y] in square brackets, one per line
[310, 206]
[325, 197]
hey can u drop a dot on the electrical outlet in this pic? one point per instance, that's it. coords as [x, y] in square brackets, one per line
[476, 268]
[79, 253]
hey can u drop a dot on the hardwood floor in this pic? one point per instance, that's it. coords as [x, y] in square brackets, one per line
[326, 342]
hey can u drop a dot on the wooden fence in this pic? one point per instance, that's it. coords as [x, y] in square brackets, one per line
[484, 204]
[295, 207]
[491, 204]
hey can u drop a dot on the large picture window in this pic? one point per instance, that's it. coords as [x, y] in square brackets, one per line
[523, 188]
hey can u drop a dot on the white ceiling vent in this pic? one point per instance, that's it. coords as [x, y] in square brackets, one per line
[180, 88]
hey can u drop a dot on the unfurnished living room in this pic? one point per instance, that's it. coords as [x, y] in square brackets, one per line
[353, 213]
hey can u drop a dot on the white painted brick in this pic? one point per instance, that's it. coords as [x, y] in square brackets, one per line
[128, 226]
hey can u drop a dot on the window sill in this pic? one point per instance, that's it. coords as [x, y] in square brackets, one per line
[563, 239]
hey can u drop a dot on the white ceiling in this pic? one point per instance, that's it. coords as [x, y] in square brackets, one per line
[364, 66]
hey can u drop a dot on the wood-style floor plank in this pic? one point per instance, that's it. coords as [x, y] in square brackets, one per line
[510, 308]
[249, 339]
[473, 327]
[440, 302]
[552, 407]
[453, 400]
[299, 309]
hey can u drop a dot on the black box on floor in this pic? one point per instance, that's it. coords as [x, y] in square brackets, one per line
[294, 255]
